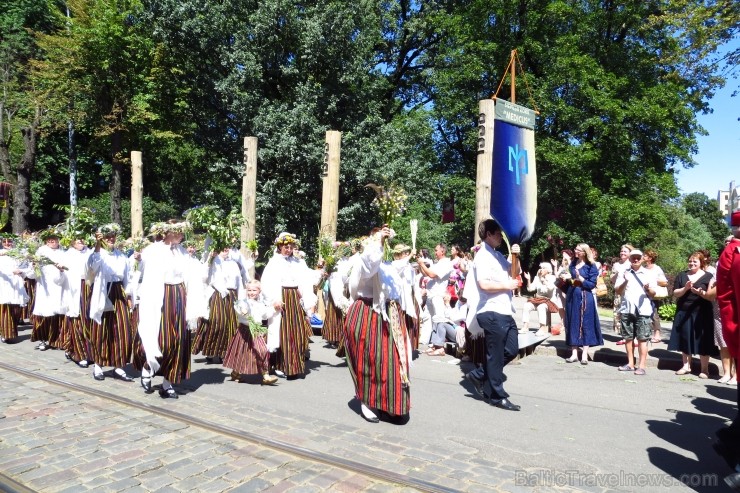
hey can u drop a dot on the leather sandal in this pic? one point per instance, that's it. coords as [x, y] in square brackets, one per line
[438, 352]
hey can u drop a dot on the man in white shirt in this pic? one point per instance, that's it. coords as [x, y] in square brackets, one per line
[495, 314]
[439, 277]
[636, 285]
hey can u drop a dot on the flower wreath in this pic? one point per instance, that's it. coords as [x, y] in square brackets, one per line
[110, 229]
[51, 232]
[286, 239]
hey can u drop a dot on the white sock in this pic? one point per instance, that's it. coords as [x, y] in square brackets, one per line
[119, 371]
[366, 411]
[97, 370]
[166, 385]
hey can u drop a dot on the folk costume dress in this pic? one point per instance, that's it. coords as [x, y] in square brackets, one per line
[163, 299]
[409, 305]
[375, 334]
[247, 353]
[49, 308]
[337, 304]
[77, 300]
[582, 319]
[13, 296]
[111, 334]
[290, 281]
[216, 331]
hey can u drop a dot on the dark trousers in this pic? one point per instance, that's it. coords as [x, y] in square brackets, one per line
[502, 346]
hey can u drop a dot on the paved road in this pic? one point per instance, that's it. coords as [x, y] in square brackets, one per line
[587, 428]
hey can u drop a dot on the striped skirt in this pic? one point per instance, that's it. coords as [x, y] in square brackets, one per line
[215, 333]
[294, 330]
[76, 343]
[112, 341]
[413, 325]
[373, 360]
[247, 355]
[48, 329]
[9, 315]
[332, 329]
[27, 311]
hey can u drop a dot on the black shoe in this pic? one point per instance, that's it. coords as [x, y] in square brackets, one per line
[123, 377]
[42, 347]
[506, 404]
[68, 356]
[99, 376]
[82, 364]
[168, 394]
[477, 385]
[373, 419]
[733, 481]
[146, 384]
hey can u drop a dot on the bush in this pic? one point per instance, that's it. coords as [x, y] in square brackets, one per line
[667, 311]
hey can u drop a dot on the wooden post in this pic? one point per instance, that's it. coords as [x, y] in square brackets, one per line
[484, 163]
[330, 190]
[249, 196]
[137, 195]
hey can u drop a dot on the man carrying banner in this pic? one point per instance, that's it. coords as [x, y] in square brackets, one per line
[495, 315]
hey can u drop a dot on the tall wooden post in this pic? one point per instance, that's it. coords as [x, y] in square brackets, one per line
[330, 191]
[249, 196]
[137, 195]
[486, 113]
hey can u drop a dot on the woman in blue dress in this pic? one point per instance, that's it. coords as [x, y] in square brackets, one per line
[582, 327]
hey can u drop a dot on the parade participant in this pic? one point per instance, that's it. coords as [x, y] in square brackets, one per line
[49, 307]
[336, 304]
[111, 336]
[287, 284]
[544, 288]
[77, 299]
[636, 286]
[693, 325]
[376, 336]
[247, 353]
[582, 327]
[216, 331]
[559, 297]
[728, 299]
[493, 312]
[165, 338]
[13, 294]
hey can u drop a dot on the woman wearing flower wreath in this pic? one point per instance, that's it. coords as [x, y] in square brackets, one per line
[216, 331]
[287, 284]
[77, 322]
[111, 336]
[163, 329]
[49, 306]
[247, 353]
[375, 333]
[13, 294]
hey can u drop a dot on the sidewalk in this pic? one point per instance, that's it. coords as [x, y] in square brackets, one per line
[610, 353]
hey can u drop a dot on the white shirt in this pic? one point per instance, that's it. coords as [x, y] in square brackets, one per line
[634, 296]
[437, 286]
[491, 265]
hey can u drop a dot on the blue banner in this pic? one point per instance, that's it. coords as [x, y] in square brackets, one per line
[514, 178]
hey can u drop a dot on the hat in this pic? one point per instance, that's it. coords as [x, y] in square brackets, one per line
[735, 218]
[635, 253]
[401, 248]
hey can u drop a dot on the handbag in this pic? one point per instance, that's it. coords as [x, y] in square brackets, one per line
[601, 288]
[661, 292]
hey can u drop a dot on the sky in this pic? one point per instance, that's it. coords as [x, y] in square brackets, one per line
[719, 152]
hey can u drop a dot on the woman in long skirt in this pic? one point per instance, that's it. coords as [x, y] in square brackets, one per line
[288, 285]
[163, 329]
[77, 319]
[376, 337]
[215, 332]
[111, 336]
[49, 308]
[13, 294]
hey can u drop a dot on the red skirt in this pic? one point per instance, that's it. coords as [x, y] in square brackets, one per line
[247, 355]
[373, 360]
[294, 330]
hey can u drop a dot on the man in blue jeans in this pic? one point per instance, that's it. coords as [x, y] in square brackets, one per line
[495, 315]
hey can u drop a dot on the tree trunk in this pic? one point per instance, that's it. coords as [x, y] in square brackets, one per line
[115, 179]
[22, 192]
[6, 139]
